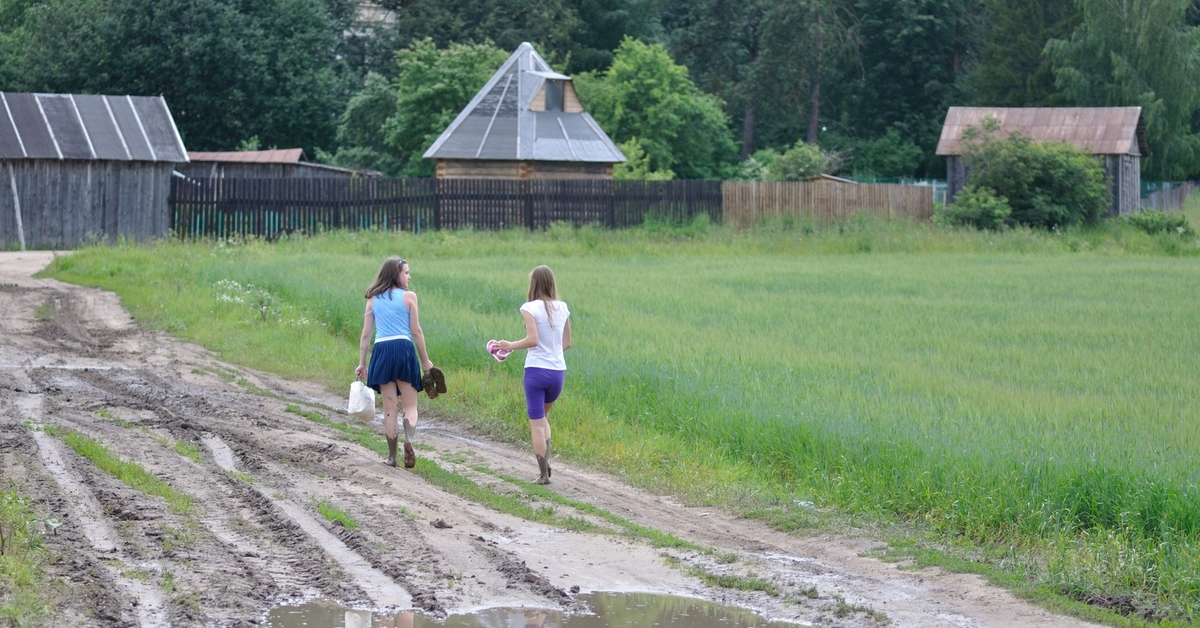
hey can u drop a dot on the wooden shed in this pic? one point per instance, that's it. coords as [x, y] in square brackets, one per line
[526, 123]
[84, 167]
[1116, 135]
[287, 163]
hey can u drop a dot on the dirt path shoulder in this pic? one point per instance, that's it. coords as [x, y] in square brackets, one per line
[253, 461]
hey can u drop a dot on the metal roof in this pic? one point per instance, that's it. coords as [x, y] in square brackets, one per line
[279, 156]
[498, 124]
[85, 126]
[1097, 130]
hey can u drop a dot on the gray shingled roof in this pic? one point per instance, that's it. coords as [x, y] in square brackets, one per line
[498, 124]
[1096, 130]
[84, 126]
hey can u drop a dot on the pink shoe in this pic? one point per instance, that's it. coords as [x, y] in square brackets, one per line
[493, 348]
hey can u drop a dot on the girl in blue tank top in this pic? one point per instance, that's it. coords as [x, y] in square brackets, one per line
[395, 372]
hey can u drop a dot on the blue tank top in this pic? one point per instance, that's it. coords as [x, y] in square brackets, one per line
[391, 315]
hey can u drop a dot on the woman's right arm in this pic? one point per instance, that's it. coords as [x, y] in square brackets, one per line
[364, 341]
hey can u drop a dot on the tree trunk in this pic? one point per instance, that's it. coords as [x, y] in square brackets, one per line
[814, 105]
[748, 122]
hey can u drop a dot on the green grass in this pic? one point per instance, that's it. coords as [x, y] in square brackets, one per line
[333, 513]
[24, 585]
[188, 450]
[130, 473]
[1017, 388]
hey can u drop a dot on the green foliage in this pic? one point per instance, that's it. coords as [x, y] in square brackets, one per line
[977, 207]
[548, 24]
[432, 87]
[908, 66]
[1046, 184]
[227, 69]
[891, 155]
[360, 137]
[646, 95]
[1012, 70]
[1139, 52]
[802, 161]
[637, 164]
[758, 166]
[1158, 222]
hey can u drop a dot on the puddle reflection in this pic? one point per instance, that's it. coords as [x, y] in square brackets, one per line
[635, 610]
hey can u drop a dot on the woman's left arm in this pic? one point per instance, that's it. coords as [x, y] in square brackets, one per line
[414, 323]
[567, 335]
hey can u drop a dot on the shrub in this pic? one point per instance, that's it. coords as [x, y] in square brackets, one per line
[802, 161]
[1155, 222]
[978, 207]
[1046, 184]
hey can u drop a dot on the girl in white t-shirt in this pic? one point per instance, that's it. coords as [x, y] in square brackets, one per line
[547, 335]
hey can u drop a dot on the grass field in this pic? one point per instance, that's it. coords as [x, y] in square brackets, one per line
[1030, 394]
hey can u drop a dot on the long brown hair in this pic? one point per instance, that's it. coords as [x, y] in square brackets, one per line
[388, 277]
[541, 286]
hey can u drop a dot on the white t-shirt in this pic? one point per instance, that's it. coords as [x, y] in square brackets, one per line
[548, 354]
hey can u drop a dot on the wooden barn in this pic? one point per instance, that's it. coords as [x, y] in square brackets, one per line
[526, 123]
[1117, 135]
[83, 167]
[287, 163]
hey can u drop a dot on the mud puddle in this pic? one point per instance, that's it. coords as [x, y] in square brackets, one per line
[604, 610]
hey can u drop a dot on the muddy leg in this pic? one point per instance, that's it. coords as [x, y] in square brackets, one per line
[537, 434]
[390, 428]
[408, 398]
[391, 459]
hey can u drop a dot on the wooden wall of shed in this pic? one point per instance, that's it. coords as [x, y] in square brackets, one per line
[956, 176]
[68, 203]
[225, 170]
[1124, 184]
[536, 170]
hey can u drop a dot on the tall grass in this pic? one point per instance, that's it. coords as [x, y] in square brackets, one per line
[1027, 388]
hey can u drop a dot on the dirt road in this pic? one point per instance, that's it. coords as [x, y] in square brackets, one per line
[73, 361]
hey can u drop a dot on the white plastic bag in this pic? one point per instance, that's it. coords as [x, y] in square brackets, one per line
[362, 402]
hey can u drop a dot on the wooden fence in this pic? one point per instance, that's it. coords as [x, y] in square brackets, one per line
[267, 207]
[1169, 197]
[745, 203]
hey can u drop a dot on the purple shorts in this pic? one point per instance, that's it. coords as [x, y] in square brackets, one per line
[542, 386]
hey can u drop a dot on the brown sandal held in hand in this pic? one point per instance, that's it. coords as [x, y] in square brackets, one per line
[439, 379]
[429, 386]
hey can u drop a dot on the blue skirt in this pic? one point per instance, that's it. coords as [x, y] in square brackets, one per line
[394, 360]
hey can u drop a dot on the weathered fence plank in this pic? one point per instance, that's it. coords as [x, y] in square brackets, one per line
[745, 203]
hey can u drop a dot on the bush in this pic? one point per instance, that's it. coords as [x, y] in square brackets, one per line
[1046, 184]
[1155, 222]
[802, 161]
[977, 207]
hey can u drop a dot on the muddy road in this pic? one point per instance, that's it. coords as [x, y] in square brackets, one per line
[258, 460]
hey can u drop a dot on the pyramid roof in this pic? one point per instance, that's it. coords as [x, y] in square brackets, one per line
[498, 123]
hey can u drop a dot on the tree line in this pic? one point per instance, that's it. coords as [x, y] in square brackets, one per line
[688, 88]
